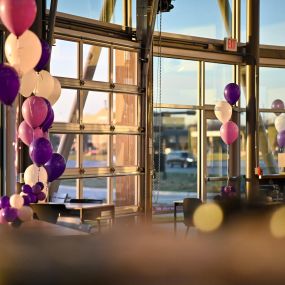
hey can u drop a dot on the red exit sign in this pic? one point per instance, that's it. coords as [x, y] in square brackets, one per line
[230, 44]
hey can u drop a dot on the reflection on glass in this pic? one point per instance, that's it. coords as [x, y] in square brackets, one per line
[125, 109]
[95, 63]
[271, 22]
[243, 87]
[217, 76]
[67, 186]
[95, 150]
[71, 147]
[192, 17]
[106, 11]
[65, 109]
[125, 150]
[268, 148]
[124, 190]
[125, 67]
[175, 161]
[64, 59]
[95, 188]
[96, 108]
[243, 20]
[179, 84]
[271, 85]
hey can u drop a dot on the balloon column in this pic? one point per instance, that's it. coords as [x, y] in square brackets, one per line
[25, 74]
[279, 122]
[229, 130]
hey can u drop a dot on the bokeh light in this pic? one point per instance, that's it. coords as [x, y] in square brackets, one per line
[208, 217]
[277, 223]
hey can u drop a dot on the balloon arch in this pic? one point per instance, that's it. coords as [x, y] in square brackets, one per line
[25, 74]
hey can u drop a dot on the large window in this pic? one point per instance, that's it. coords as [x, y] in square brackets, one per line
[97, 125]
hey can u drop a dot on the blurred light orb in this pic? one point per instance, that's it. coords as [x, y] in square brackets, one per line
[277, 223]
[208, 217]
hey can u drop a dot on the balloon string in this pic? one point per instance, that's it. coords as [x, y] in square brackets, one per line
[228, 165]
[39, 174]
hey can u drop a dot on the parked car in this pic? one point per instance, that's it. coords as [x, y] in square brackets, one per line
[180, 158]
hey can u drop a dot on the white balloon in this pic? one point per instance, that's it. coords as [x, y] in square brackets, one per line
[56, 92]
[33, 174]
[280, 123]
[28, 83]
[45, 85]
[25, 214]
[23, 53]
[223, 111]
[16, 201]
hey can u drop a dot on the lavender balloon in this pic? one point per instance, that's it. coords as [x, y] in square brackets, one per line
[55, 166]
[281, 139]
[232, 93]
[4, 202]
[10, 84]
[40, 151]
[44, 57]
[277, 104]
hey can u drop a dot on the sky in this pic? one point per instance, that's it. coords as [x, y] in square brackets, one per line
[179, 78]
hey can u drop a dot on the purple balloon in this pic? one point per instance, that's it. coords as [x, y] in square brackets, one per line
[27, 200]
[4, 202]
[281, 139]
[10, 84]
[36, 189]
[27, 189]
[49, 118]
[33, 198]
[55, 166]
[40, 151]
[41, 185]
[277, 104]
[41, 196]
[44, 57]
[232, 93]
[229, 132]
[10, 214]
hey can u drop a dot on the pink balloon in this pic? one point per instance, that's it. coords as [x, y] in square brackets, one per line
[18, 16]
[25, 133]
[229, 132]
[34, 111]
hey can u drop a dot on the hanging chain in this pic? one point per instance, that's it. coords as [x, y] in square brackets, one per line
[159, 116]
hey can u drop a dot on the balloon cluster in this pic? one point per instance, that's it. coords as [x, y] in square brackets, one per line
[279, 122]
[223, 110]
[15, 208]
[27, 56]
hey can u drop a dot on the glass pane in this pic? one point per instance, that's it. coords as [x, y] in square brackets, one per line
[176, 162]
[65, 144]
[125, 67]
[268, 148]
[95, 150]
[242, 143]
[124, 190]
[243, 20]
[95, 63]
[96, 108]
[95, 188]
[125, 109]
[198, 18]
[125, 150]
[93, 9]
[272, 21]
[216, 150]
[217, 76]
[272, 86]
[179, 81]
[64, 59]
[68, 186]
[243, 87]
[66, 107]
